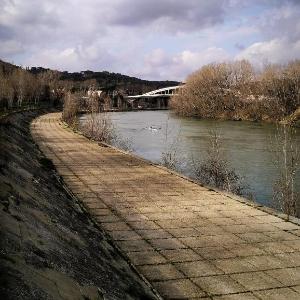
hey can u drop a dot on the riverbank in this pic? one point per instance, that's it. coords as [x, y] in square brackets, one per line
[189, 241]
[293, 119]
[246, 113]
[245, 145]
[50, 246]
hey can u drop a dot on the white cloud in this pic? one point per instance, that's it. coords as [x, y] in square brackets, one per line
[273, 51]
[169, 15]
[159, 65]
[279, 41]
[72, 59]
[281, 22]
[196, 59]
[158, 58]
[10, 47]
[155, 39]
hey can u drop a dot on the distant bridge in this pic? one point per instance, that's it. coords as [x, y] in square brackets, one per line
[164, 92]
[158, 99]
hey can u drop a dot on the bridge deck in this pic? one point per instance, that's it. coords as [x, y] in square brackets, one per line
[188, 241]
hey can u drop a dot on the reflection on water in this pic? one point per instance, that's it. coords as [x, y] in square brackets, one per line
[246, 144]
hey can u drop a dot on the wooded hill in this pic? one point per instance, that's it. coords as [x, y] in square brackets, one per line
[22, 86]
[109, 80]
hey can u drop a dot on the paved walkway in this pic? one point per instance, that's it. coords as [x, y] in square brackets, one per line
[188, 241]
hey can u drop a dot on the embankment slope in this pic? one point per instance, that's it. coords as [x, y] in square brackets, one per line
[49, 246]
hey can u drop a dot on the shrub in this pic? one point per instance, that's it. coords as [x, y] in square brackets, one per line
[215, 171]
[70, 109]
[286, 159]
[170, 155]
[214, 90]
[235, 91]
[99, 128]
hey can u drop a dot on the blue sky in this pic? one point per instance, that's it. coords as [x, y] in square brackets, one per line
[157, 39]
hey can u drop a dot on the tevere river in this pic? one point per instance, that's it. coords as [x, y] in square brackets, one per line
[246, 145]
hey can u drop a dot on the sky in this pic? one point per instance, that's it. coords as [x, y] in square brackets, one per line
[149, 39]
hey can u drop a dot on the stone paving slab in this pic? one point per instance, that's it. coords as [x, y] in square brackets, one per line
[188, 241]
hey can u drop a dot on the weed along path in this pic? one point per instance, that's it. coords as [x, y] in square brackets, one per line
[186, 240]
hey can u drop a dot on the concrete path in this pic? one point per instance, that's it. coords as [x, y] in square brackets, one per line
[188, 241]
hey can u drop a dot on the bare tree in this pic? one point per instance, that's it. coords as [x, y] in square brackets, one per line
[215, 170]
[6, 91]
[286, 159]
[71, 109]
[99, 128]
[235, 91]
[20, 86]
[170, 155]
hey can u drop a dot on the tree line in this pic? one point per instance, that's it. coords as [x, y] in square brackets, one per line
[19, 88]
[36, 85]
[236, 91]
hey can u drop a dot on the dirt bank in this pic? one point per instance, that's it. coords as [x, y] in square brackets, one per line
[49, 247]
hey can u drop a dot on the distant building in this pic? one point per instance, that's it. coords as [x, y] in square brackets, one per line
[94, 93]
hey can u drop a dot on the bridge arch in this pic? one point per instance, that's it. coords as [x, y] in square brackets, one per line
[157, 99]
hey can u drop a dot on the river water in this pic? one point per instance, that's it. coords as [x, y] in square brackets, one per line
[246, 145]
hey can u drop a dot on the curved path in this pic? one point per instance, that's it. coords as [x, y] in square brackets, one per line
[187, 240]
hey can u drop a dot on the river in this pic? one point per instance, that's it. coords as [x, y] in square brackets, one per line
[246, 145]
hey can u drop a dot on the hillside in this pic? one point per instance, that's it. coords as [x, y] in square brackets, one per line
[101, 79]
[24, 86]
[109, 80]
[6, 67]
